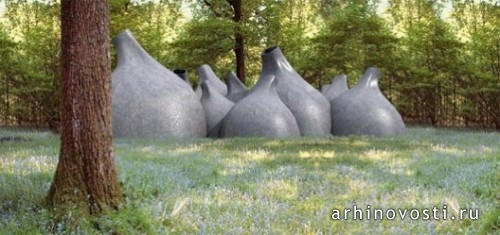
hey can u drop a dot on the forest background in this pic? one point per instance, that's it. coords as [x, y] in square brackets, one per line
[440, 59]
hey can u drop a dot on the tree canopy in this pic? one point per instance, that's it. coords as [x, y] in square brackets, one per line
[440, 60]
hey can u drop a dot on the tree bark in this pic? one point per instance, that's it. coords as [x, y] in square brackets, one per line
[239, 39]
[85, 177]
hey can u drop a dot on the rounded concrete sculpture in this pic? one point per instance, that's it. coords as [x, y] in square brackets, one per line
[216, 107]
[149, 100]
[182, 73]
[338, 86]
[363, 110]
[261, 113]
[206, 73]
[310, 108]
[324, 87]
[236, 90]
[198, 90]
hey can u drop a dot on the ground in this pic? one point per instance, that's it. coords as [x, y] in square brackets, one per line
[269, 186]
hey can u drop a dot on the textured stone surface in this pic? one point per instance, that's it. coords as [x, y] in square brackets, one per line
[338, 86]
[216, 107]
[150, 100]
[236, 90]
[260, 113]
[310, 108]
[205, 73]
[363, 110]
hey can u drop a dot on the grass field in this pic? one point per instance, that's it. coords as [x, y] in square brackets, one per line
[269, 186]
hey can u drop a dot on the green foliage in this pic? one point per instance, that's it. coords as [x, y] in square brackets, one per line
[482, 56]
[491, 223]
[353, 38]
[266, 186]
[6, 51]
[427, 75]
[206, 41]
[439, 73]
[30, 50]
[32, 76]
[209, 38]
[153, 23]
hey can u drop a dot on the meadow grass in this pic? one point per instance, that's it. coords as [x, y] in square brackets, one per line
[267, 186]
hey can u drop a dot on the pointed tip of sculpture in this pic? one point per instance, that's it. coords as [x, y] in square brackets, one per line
[182, 74]
[340, 79]
[179, 71]
[205, 73]
[127, 31]
[369, 79]
[341, 76]
[124, 33]
[234, 83]
[205, 90]
[270, 49]
[230, 77]
[267, 82]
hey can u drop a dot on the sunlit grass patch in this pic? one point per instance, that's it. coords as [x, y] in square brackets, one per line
[27, 165]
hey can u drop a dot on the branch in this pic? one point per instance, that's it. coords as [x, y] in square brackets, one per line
[218, 12]
[212, 8]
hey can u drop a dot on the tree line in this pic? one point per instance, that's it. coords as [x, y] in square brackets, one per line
[440, 60]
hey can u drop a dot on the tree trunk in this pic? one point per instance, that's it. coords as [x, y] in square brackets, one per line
[85, 177]
[239, 40]
[239, 51]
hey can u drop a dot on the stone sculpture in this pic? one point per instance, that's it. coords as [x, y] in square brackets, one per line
[363, 110]
[198, 90]
[261, 113]
[309, 107]
[182, 73]
[216, 107]
[236, 90]
[205, 73]
[150, 100]
[338, 86]
[324, 88]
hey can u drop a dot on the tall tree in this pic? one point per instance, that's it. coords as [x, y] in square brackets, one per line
[85, 177]
[230, 34]
[239, 39]
[425, 66]
[218, 27]
[232, 9]
[480, 82]
[6, 45]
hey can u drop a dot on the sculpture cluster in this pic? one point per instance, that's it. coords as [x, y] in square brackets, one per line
[151, 101]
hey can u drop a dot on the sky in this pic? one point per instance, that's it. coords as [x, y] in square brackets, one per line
[2, 6]
[186, 11]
